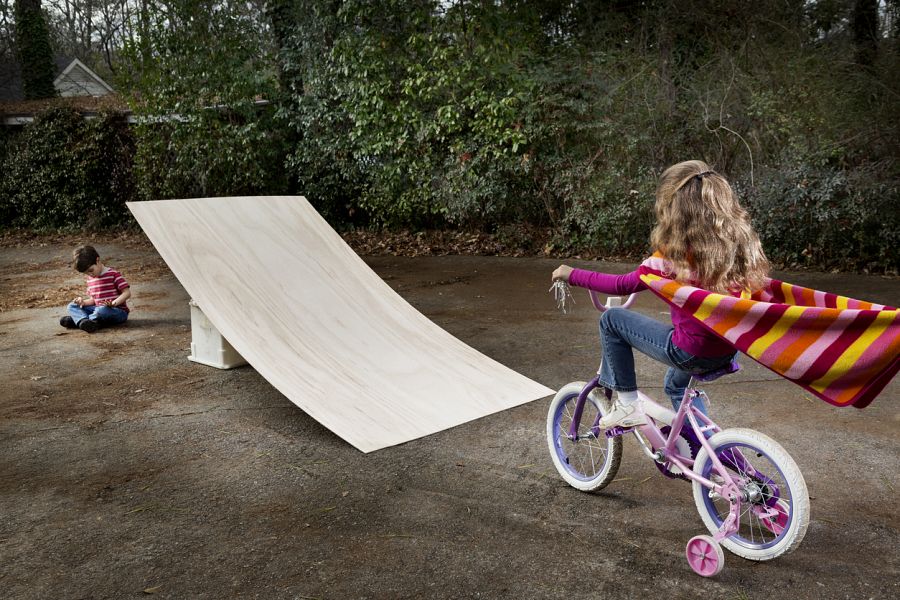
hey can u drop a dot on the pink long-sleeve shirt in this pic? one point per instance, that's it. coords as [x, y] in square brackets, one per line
[689, 334]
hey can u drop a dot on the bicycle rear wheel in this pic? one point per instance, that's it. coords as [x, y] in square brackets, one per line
[775, 514]
[589, 462]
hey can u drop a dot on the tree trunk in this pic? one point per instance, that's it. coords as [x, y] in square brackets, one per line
[865, 31]
[280, 14]
[34, 52]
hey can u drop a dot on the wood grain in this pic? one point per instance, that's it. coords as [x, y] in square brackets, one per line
[311, 317]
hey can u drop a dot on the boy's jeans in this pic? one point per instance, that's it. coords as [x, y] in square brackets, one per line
[102, 315]
[621, 330]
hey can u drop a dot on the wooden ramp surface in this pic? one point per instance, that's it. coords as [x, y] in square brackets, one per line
[313, 319]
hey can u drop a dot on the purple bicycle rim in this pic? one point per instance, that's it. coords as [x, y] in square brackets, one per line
[711, 509]
[557, 443]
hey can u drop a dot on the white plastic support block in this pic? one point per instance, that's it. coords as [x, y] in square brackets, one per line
[208, 347]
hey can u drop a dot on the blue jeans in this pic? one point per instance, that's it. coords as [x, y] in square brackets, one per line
[621, 330]
[102, 315]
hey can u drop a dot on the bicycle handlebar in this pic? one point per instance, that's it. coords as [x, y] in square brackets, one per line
[611, 301]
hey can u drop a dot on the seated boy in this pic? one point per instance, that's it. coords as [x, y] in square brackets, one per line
[107, 294]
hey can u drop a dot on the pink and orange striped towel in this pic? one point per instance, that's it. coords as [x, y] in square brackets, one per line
[844, 351]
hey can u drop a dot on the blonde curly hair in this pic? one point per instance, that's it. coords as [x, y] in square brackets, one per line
[705, 233]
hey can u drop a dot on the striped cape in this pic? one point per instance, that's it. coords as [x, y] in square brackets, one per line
[844, 351]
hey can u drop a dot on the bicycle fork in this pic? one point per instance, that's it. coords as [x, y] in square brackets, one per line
[579, 409]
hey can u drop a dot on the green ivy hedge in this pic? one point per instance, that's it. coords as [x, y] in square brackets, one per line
[63, 171]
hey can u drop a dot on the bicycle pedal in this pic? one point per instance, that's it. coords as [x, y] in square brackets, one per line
[617, 431]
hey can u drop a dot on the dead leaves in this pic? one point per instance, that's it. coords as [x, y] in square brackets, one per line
[442, 243]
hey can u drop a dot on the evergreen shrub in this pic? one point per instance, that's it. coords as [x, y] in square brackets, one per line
[824, 216]
[63, 171]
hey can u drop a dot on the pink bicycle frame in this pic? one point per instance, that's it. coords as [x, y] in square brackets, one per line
[663, 448]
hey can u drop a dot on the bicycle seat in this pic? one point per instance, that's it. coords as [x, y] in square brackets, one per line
[732, 367]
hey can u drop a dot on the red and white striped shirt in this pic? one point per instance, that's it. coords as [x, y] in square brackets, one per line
[108, 286]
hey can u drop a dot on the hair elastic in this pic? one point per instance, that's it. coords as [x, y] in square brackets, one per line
[699, 176]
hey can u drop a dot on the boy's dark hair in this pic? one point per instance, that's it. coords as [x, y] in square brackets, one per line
[83, 257]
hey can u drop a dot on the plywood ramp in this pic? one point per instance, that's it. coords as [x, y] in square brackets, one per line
[313, 319]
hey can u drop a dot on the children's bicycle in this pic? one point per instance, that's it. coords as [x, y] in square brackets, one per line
[748, 490]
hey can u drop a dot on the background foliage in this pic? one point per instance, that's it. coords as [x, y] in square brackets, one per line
[64, 170]
[562, 114]
[500, 116]
[196, 76]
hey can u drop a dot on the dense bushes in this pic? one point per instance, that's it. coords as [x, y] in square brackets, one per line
[196, 78]
[401, 122]
[211, 153]
[824, 216]
[65, 171]
[473, 115]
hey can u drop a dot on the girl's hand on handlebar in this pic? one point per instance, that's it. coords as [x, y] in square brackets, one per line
[562, 273]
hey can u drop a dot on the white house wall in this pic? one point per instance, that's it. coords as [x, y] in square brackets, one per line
[78, 82]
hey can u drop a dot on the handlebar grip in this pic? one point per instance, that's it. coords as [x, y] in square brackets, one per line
[611, 301]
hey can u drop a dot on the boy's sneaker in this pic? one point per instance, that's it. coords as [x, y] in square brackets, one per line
[68, 322]
[88, 326]
[629, 415]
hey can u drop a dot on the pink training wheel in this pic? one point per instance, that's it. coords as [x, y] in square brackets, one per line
[705, 555]
[777, 523]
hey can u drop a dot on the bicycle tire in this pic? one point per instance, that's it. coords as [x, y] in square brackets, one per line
[781, 482]
[589, 463]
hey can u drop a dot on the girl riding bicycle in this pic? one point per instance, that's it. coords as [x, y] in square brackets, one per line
[707, 241]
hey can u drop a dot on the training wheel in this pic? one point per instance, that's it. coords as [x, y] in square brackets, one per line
[705, 555]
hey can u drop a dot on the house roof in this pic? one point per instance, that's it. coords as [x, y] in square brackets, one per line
[11, 76]
[85, 104]
[15, 110]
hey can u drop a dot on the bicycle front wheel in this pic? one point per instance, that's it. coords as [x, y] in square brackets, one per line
[775, 508]
[589, 462]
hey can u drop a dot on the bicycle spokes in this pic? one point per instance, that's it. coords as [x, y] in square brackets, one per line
[764, 513]
[756, 484]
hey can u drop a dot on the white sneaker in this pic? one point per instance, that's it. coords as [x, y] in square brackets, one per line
[629, 415]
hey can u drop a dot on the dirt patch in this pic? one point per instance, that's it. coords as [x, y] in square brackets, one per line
[509, 241]
[45, 296]
[53, 283]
